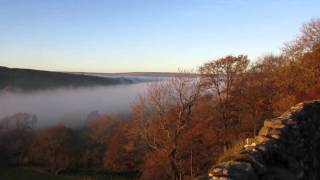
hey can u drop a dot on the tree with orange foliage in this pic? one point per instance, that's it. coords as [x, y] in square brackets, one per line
[126, 151]
[157, 166]
[297, 79]
[310, 37]
[54, 148]
[219, 77]
[310, 63]
[255, 93]
[99, 130]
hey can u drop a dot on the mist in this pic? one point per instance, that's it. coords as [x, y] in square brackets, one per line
[71, 106]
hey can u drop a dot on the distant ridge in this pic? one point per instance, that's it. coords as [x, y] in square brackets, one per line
[15, 79]
[145, 74]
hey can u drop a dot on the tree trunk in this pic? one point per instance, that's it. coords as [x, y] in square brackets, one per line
[191, 163]
[174, 164]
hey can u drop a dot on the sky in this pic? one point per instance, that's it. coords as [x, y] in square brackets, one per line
[144, 35]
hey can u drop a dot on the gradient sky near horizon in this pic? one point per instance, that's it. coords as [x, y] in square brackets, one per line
[144, 35]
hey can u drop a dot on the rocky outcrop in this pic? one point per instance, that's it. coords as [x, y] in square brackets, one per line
[286, 148]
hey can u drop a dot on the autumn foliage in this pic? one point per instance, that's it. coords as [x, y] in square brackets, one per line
[53, 148]
[181, 126]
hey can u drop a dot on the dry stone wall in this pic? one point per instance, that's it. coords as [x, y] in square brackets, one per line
[286, 148]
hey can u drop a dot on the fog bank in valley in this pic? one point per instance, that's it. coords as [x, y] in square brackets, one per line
[71, 106]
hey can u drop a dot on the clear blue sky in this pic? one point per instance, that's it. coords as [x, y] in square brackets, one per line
[143, 35]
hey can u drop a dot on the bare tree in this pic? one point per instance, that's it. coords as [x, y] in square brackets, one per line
[164, 112]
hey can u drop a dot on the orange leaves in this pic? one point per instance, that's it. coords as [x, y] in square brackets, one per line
[54, 148]
[157, 166]
[125, 152]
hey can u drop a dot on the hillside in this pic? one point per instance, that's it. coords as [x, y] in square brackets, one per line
[136, 74]
[29, 80]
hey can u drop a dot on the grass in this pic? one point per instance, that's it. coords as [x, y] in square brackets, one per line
[230, 153]
[24, 173]
[27, 173]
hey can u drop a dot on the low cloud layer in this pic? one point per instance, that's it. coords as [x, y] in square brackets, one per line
[71, 106]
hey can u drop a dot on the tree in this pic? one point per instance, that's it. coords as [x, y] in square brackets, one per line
[53, 148]
[98, 134]
[219, 77]
[258, 88]
[126, 151]
[157, 166]
[304, 74]
[16, 134]
[310, 36]
[199, 145]
[164, 113]
[310, 64]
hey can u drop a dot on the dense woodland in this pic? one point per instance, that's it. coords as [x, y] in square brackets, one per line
[181, 126]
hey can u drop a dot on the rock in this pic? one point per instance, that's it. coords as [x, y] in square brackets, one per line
[275, 123]
[234, 170]
[286, 147]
